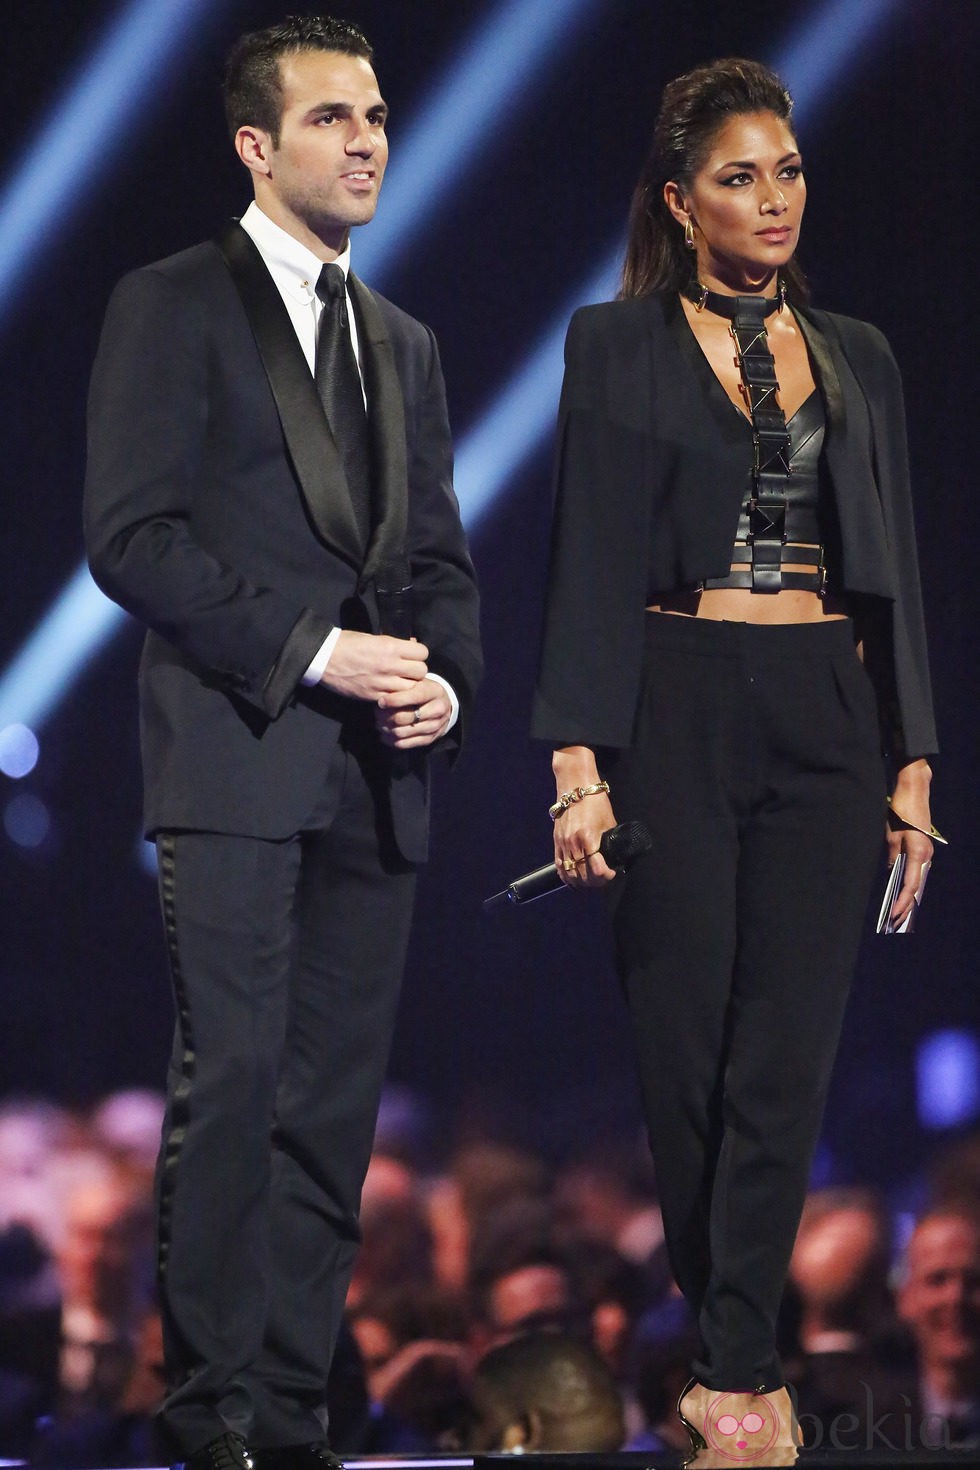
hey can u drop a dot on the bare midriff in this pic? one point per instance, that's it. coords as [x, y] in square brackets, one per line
[740, 605]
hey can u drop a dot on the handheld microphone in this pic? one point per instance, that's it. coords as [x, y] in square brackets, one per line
[393, 591]
[618, 846]
[393, 594]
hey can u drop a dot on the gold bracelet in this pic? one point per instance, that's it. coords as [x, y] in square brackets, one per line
[577, 792]
[899, 823]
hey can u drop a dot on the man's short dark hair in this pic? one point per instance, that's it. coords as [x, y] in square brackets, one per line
[564, 1383]
[253, 82]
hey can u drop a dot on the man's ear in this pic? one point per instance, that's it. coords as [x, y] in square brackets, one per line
[525, 1433]
[254, 148]
[517, 1435]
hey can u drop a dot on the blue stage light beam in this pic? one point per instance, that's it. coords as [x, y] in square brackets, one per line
[513, 428]
[516, 424]
[91, 117]
[495, 66]
[827, 47]
[56, 653]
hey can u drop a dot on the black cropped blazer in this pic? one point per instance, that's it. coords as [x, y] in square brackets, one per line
[651, 467]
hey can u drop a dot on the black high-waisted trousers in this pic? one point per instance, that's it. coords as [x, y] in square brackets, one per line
[756, 765]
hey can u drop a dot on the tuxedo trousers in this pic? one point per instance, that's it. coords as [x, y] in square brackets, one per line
[286, 959]
[756, 766]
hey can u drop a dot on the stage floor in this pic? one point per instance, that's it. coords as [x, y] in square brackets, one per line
[874, 1458]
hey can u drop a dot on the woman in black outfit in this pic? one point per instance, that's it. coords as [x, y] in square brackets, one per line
[733, 637]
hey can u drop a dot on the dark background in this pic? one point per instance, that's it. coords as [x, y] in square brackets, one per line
[518, 1018]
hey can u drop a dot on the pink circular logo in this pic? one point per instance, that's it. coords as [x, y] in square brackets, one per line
[740, 1436]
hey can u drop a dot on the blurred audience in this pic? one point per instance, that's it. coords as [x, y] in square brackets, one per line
[396, 1240]
[939, 1300]
[111, 1435]
[76, 1270]
[840, 1269]
[30, 1329]
[839, 1272]
[481, 1180]
[414, 1358]
[955, 1174]
[499, 1304]
[103, 1263]
[128, 1125]
[666, 1341]
[614, 1292]
[610, 1194]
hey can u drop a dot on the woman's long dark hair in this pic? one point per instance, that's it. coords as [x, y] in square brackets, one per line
[693, 109]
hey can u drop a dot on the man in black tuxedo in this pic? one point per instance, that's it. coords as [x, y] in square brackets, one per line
[269, 456]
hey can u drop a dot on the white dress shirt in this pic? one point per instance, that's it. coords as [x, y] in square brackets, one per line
[295, 271]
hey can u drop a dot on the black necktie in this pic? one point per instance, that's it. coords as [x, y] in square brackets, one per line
[338, 383]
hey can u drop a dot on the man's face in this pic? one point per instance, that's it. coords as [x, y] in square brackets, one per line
[940, 1299]
[535, 1296]
[326, 172]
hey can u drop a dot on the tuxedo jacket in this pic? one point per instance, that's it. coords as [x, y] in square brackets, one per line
[651, 469]
[217, 513]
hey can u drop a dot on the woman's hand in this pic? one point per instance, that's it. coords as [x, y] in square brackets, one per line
[910, 802]
[579, 829]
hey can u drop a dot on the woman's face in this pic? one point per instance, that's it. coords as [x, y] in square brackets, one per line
[745, 202]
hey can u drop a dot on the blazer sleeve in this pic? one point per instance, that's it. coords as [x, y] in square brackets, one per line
[147, 420]
[592, 642]
[895, 646]
[445, 598]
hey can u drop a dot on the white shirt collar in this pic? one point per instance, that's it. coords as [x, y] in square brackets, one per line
[293, 267]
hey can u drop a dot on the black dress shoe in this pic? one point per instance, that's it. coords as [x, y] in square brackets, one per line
[227, 1452]
[316, 1456]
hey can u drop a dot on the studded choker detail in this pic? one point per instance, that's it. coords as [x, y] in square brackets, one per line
[732, 306]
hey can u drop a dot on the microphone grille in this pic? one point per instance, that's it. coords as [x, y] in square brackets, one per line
[625, 842]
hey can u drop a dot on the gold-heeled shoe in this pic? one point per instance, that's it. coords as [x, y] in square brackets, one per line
[731, 1429]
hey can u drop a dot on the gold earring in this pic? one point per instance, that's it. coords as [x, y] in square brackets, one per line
[689, 235]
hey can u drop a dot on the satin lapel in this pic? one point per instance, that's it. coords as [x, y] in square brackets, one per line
[386, 416]
[306, 431]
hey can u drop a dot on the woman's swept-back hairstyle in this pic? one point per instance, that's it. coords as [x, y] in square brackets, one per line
[694, 107]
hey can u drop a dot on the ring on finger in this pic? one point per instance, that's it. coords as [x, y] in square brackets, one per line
[416, 716]
[568, 865]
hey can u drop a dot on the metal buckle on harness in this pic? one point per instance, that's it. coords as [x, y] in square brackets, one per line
[767, 521]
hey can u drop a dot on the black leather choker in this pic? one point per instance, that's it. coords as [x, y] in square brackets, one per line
[732, 306]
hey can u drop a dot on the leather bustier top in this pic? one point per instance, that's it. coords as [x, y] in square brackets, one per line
[804, 530]
[802, 495]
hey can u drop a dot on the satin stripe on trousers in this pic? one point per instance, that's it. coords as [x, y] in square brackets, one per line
[756, 766]
[286, 960]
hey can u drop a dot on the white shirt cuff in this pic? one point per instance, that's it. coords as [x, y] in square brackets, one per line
[321, 658]
[454, 702]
